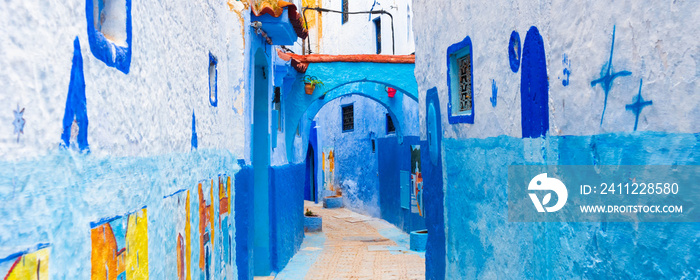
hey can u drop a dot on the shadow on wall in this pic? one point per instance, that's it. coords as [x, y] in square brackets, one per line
[360, 198]
[393, 158]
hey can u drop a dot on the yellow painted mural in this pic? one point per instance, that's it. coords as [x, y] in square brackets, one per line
[328, 166]
[30, 266]
[183, 237]
[120, 247]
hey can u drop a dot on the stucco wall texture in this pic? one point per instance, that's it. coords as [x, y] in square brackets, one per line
[141, 166]
[356, 165]
[655, 56]
[357, 35]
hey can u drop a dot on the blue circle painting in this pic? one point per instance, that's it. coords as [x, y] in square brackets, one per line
[514, 51]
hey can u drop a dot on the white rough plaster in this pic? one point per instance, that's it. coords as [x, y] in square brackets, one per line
[148, 111]
[357, 36]
[655, 41]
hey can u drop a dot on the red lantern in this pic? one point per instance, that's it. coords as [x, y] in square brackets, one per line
[391, 91]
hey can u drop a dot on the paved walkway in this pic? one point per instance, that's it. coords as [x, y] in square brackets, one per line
[354, 246]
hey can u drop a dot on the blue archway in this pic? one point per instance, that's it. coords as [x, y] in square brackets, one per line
[366, 79]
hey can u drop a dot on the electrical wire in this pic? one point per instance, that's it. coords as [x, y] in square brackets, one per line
[393, 43]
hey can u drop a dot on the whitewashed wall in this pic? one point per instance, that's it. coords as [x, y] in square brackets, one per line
[148, 111]
[357, 36]
[139, 134]
[653, 40]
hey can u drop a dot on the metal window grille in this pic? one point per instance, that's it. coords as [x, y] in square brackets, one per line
[465, 83]
[348, 118]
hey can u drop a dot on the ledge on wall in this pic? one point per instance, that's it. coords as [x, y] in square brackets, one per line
[301, 62]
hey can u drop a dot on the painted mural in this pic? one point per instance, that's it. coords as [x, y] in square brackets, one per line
[180, 236]
[328, 164]
[225, 241]
[120, 247]
[27, 265]
[206, 227]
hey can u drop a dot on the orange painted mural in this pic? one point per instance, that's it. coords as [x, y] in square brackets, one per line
[206, 228]
[225, 235]
[120, 247]
[179, 203]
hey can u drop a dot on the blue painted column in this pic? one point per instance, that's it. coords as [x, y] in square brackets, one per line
[261, 163]
[433, 196]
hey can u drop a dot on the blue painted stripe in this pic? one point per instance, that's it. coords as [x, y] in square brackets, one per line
[175, 193]
[16, 255]
[109, 219]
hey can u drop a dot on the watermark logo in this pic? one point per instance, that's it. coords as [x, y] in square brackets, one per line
[542, 183]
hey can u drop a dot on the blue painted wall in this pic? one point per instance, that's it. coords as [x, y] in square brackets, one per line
[346, 78]
[286, 216]
[286, 213]
[479, 237]
[244, 182]
[394, 157]
[356, 165]
[79, 189]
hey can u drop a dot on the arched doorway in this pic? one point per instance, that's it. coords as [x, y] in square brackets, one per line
[310, 188]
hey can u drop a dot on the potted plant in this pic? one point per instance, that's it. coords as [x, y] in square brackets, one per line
[312, 222]
[310, 83]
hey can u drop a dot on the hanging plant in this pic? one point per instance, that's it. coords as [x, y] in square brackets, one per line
[310, 83]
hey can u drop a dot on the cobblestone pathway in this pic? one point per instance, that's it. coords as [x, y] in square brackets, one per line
[354, 246]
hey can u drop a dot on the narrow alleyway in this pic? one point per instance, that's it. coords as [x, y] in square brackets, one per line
[354, 246]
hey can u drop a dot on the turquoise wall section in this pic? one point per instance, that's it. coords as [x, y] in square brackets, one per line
[54, 199]
[286, 213]
[482, 243]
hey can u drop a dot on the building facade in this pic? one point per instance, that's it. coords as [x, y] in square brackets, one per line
[554, 83]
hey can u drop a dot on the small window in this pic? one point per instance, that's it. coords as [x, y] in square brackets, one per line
[345, 11]
[213, 95]
[374, 146]
[109, 32]
[408, 23]
[460, 82]
[348, 118]
[378, 32]
[389, 124]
